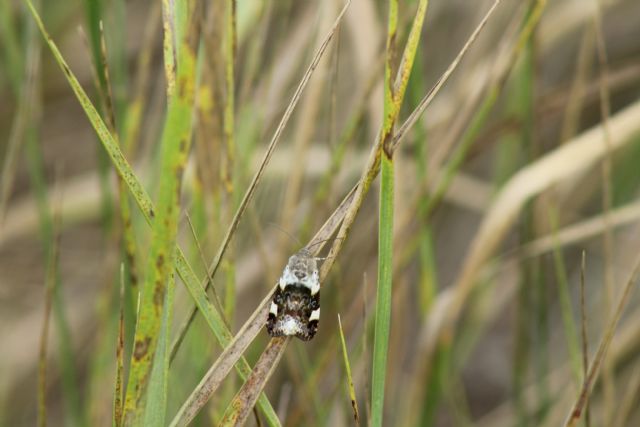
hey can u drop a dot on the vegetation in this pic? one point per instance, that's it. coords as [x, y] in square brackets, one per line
[465, 172]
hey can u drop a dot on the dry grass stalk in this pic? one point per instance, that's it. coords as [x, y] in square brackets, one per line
[562, 163]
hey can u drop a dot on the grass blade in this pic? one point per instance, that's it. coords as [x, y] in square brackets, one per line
[143, 200]
[42, 364]
[347, 367]
[393, 100]
[10, 43]
[229, 149]
[234, 350]
[585, 341]
[50, 283]
[175, 144]
[156, 407]
[564, 295]
[393, 96]
[36, 169]
[570, 159]
[426, 101]
[383, 292]
[168, 26]
[263, 164]
[580, 402]
[222, 366]
[239, 409]
[118, 391]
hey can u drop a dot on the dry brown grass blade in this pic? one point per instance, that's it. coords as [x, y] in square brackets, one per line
[140, 98]
[168, 45]
[583, 329]
[50, 283]
[222, 366]
[263, 165]
[629, 400]
[24, 112]
[274, 140]
[373, 163]
[577, 409]
[118, 398]
[244, 401]
[623, 348]
[305, 127]
[44, 333]
[583, 230]
[564, 162]
[216, 297]
[426, 101]
[607, 237]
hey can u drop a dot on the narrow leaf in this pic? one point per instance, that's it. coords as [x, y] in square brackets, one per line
[239, 409]
[347, 366]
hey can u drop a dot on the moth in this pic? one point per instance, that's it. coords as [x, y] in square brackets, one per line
[295, 308]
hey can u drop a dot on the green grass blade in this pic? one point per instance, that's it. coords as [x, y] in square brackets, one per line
[52, 273]
[393, 96]
[229, 152]
[168, 47]
[383, 293]
[118, 390]
[70, 382]
[247, 334]
[109, 143]
[145, 205]
[347, 367]
[564, 293]
[156, 407]
[175, 144]
[10, 44]
[93, 10]
[249, 193]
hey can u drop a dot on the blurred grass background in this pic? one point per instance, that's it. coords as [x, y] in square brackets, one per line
[490, 215]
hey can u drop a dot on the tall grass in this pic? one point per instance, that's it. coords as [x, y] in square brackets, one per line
[465, 158]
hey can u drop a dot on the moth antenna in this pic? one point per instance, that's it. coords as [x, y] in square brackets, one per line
[322, 241]
[296, 241]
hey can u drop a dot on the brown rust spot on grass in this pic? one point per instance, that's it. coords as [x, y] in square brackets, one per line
[178, 171]
[355, 411]
[160, 261]
[158, 295]
[185, 88]
[386, 146]
[66, 69]
[141, 348]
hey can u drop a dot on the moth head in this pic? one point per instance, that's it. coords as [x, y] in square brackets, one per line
[302, 269]
[302, 264]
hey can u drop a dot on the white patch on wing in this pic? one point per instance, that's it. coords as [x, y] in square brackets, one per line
[273, 309]
[315, 283]
[290, 326]
[315, 314]
[286, 278]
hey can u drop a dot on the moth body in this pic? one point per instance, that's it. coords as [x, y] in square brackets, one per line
[295, 308]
